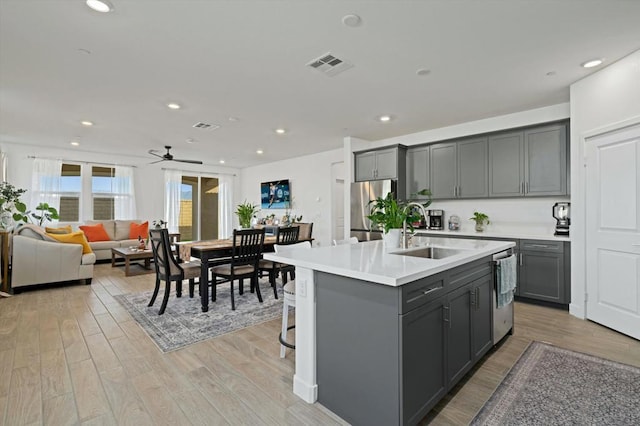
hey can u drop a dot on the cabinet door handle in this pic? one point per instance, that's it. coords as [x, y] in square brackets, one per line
[526, 187]
[431, 290]
[522, 187]
[538, 245]
[520, 259]
[477, 298]
[473, 298]
[459, 191]
[447, 315]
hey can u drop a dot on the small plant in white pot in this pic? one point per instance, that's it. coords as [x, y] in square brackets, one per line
[480, 219]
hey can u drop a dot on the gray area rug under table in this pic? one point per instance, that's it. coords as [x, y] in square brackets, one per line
[553, 386]
[183, 322]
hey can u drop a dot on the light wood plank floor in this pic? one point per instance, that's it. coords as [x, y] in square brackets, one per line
[73, 355]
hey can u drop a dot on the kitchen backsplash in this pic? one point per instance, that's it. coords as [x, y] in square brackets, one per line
[503, 213]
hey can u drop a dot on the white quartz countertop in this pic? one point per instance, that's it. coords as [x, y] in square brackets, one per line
[512, 230]
[372, 261]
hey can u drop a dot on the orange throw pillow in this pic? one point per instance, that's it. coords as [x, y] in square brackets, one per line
[61, 230]
[95, 232]
[139, 230]
[74, 238]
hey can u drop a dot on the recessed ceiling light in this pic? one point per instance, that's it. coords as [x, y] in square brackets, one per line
[75, 143]
[259, 152]
[384, 118]
[173, 105]
[86, 123]
[221, 161]
[232, 118]
[423, 71]
[352, 20]
[551, 73]
[281, 131]
[190, 140]
[84, 51]
[101, 6]
[592, 63]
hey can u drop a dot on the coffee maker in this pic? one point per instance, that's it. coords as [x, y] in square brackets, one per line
[563, 220]
[435, 220]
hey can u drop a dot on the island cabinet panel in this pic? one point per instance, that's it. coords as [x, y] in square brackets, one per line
[358, 335]
[386, 355]
[423, 361]
[458, 320]
[482, 316]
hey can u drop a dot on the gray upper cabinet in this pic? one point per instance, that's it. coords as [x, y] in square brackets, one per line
[506, 165]
[529, 163]
[443, 170]
[459, 169]
[418, 171]
[365, 166]
[546, 160]
[472, 168]
[386, 163]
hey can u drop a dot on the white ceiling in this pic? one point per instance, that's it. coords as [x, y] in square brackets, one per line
[247, 59]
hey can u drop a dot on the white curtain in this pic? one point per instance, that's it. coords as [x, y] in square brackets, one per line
[124, 193]
[225, 206]
[46, 183]
[172, 183]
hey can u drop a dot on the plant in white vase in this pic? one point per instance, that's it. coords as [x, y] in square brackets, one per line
[390, 214]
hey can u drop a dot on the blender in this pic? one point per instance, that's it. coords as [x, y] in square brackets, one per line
[561, 214]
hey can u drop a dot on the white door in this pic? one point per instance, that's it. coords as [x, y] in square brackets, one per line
[613, 230]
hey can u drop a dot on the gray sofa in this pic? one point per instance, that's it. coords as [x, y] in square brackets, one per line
[118, 232]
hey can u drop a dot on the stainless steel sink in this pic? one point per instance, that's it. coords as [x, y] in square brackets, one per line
[430, 252]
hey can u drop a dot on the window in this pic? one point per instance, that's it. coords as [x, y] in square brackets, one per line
[96, 192]
[70, 191]
[103, 192]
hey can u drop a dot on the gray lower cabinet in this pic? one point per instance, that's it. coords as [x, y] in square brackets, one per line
[386, 355]
[542, 271]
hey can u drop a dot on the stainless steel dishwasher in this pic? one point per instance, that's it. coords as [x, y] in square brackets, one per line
[502, 317]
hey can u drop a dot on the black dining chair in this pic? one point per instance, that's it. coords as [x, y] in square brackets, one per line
[245, 255]
[284, 236]
[168, 269]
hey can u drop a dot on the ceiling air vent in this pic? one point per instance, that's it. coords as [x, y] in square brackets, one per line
[205, 126]
[329, 65]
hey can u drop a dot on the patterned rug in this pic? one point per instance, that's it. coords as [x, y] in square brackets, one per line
[553, 386]
[183, 322]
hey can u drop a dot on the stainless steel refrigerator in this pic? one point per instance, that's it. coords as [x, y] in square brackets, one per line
[362, 193]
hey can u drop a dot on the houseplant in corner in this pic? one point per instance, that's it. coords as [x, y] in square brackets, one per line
[245, 212]
[389, 214]
[480, 219]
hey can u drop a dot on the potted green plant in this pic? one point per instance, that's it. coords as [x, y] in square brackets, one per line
[43, 213]
[245, 212]
[480, 219]
[10, 204]
[390, 214]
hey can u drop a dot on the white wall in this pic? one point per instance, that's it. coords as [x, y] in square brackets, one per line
[310, 180]
[149, 179]
[598, 102]
[503, 212]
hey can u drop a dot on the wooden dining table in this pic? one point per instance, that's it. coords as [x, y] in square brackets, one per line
[210, 253]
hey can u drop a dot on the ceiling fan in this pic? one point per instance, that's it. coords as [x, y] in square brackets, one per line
[169, 157]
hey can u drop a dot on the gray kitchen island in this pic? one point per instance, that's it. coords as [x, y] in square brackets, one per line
[383, 334]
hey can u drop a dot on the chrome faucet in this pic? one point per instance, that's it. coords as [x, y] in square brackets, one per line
[405, 237]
